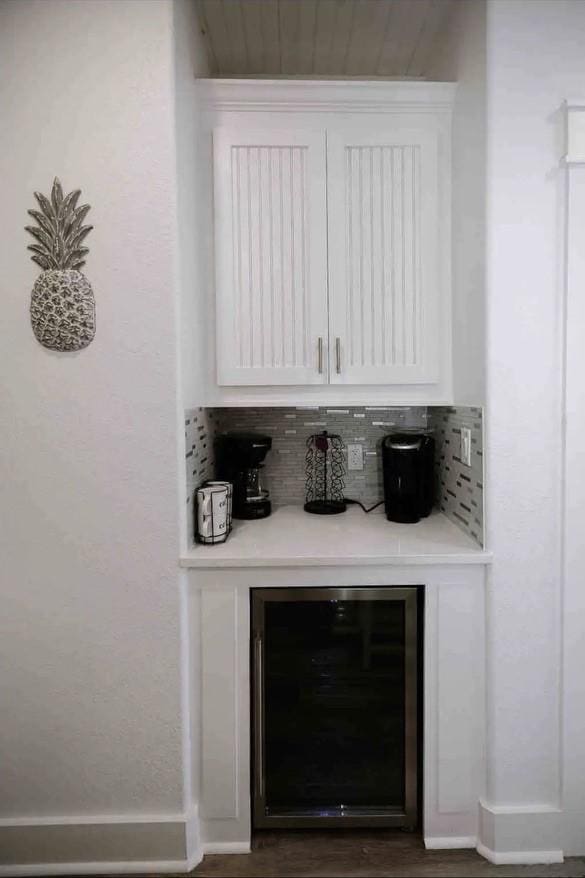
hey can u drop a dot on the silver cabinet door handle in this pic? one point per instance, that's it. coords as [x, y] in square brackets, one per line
[338, 355]
[320, 354]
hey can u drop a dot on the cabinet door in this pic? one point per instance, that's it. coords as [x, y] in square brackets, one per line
[271, 256]
[384, 277]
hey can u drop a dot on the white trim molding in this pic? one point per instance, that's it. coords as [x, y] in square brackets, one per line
[450, 843]
[122, 867]
[227, 847]
[575, 133]
[573, 558]
[520, 834]
[519, 858]
[111, 844]
[305, 96]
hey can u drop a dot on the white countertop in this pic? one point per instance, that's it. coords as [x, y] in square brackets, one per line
[292, 537]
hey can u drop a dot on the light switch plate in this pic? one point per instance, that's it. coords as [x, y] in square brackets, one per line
[465, 454]
[355, 457]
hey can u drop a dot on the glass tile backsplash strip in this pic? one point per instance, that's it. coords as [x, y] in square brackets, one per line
[200, 430]
[459, 488]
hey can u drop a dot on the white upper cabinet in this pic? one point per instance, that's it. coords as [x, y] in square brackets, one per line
[383, 219]
[332, 240]
[271, 256]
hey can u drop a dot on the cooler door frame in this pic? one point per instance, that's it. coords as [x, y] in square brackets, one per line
[406, 818]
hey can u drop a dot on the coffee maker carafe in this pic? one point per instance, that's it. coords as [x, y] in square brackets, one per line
[240, 458]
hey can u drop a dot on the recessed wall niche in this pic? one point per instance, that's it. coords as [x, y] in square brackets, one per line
[459, 489]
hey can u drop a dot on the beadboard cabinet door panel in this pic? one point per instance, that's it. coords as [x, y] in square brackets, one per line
[384, 273]
[271, 256]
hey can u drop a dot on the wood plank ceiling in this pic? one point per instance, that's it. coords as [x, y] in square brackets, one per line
[389, 38]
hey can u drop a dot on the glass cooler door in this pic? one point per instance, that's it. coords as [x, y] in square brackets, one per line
[335, 707]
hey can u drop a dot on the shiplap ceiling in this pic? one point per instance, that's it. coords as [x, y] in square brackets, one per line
[394, 38]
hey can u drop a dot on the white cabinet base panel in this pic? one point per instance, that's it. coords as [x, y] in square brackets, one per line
[453, 770]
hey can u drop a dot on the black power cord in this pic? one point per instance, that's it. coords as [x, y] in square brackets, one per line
[359, 503]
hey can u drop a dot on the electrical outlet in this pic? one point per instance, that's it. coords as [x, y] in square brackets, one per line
[465, 454]
[355, 457]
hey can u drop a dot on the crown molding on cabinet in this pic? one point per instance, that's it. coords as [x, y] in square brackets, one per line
[304, 96]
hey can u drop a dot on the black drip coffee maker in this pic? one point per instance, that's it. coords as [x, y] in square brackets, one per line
[240, 459]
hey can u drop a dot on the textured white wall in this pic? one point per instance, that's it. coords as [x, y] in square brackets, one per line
[535, 60]
[191, 62]
[462, 58]
[89, 465]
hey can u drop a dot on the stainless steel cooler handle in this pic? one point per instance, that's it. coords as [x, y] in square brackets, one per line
[338, 355]
[259, 710]
[320, 354]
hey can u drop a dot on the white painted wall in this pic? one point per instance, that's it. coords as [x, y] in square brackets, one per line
[190, 63]
[462, 58]
[574, 558]
[535, 60]
[88, 470]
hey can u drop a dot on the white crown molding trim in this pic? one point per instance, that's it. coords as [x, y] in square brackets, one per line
[519, 858]
[575, 133]
[286, 95]
[447, 842]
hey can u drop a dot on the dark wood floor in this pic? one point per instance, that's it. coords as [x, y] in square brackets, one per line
[362, 854]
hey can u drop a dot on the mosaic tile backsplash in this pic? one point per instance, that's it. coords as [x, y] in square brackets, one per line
[200, 430]
[459, 488]
[290, 428]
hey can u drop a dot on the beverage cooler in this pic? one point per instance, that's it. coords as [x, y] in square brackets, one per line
[335, 704]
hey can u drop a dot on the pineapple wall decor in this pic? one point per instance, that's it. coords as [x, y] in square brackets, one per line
[62, 307]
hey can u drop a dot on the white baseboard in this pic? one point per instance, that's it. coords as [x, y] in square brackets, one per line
[447, 842]
[193, 846]
[520, 834]
[124, 867]
[111, 844]
[519, 858]
[226, 847]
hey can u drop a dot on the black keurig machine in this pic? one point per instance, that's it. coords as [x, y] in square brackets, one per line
[239, 460]
[408, 466]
